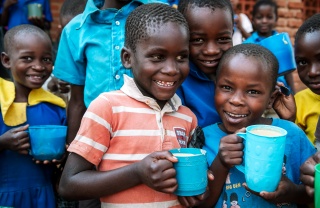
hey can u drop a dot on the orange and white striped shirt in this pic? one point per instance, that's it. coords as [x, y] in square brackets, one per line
[122, 127]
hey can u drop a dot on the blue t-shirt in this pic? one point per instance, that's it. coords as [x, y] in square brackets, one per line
[90, 47]
[19, 12]
[197, 92]
[298, 149]
[256, 39]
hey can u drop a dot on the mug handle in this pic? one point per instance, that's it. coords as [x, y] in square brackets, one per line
[241, 167]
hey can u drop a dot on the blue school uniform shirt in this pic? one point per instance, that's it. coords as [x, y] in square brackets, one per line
[298, 149]
[19, 12]
[256, 39]
[197, 92]
[90, 47]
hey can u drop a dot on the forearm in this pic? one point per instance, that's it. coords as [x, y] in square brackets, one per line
[90, 184]
[75, 112]
[220, 173]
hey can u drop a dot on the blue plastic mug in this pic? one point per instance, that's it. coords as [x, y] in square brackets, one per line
[191, 171]
[47, 142]
[263, 156]
[280, 45]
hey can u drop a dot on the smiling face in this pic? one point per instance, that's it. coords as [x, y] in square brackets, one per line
[210, 36]
[307, 55]
[30, 61]
[160, 62]
[242, 92]
[265, 20]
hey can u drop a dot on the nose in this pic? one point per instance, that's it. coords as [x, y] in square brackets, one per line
[211, 48]
[171, 67]
[314, 70]
[236, 99]
[264, 19]
[38, 66]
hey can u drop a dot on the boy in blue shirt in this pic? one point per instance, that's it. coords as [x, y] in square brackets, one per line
[89, 54]
[211, 28]
[245, 82]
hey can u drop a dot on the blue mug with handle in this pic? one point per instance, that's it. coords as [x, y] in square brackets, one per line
[263, 156]
[191, 171]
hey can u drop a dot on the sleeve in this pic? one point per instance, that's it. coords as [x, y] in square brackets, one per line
[47, 10]
[70, 64]
[246, 23]
[94, 135]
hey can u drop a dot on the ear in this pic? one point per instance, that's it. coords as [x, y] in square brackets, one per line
[5, 59]
[126, 57]
[272, 99]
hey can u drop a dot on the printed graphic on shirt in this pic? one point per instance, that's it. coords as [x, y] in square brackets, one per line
[181, 136]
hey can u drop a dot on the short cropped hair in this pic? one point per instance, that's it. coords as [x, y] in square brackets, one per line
[311, 25]
[260, 3]
[184, 5]
[258, 52]
[147, 18]
[72, 7]
[19, 32]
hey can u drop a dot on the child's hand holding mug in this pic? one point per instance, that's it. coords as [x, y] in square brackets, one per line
[16, 139]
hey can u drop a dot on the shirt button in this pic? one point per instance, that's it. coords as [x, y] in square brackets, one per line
[117, 47]
[117, 76]
[117, 23]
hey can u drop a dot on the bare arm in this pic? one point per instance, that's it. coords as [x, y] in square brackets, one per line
[76, 110]
[80, 181]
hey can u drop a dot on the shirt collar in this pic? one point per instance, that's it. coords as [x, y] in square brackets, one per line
[258, 38]
[131, 89]
[93, 7]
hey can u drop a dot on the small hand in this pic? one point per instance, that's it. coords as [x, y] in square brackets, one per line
[280, 195]
[156, 171]
[284, 105]
[16, 139]
[192, 201]
[231, 150]
[307, 173]
[54, 161]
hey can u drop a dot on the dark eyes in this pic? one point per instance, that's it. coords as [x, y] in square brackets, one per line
[229, 89]
[301, 62]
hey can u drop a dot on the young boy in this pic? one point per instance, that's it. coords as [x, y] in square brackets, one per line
[28, 55]
[211, 28]
[127, 133]
[89, 54]
[245, 82]
[307, 52]
[264, 20]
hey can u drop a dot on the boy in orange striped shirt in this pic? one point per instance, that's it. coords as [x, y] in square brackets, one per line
[127, 133]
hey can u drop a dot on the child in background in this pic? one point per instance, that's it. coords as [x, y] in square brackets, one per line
[28, 55]
[211, 28]
[243, 26]
[264, 20]
[69, 9]
[90, 61]
[15, 12]
[245, 82]
[127, 133]
[307, 52]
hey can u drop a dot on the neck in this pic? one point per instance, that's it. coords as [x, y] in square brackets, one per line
[113, 4]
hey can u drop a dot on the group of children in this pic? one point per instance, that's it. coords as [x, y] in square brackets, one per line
[184, 72]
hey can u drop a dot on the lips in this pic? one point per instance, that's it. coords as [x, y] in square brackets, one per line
[234, 117]
[36, 79]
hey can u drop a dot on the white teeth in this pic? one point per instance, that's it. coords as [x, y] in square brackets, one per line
[236, 115]
[208, 62]
[165, 84]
